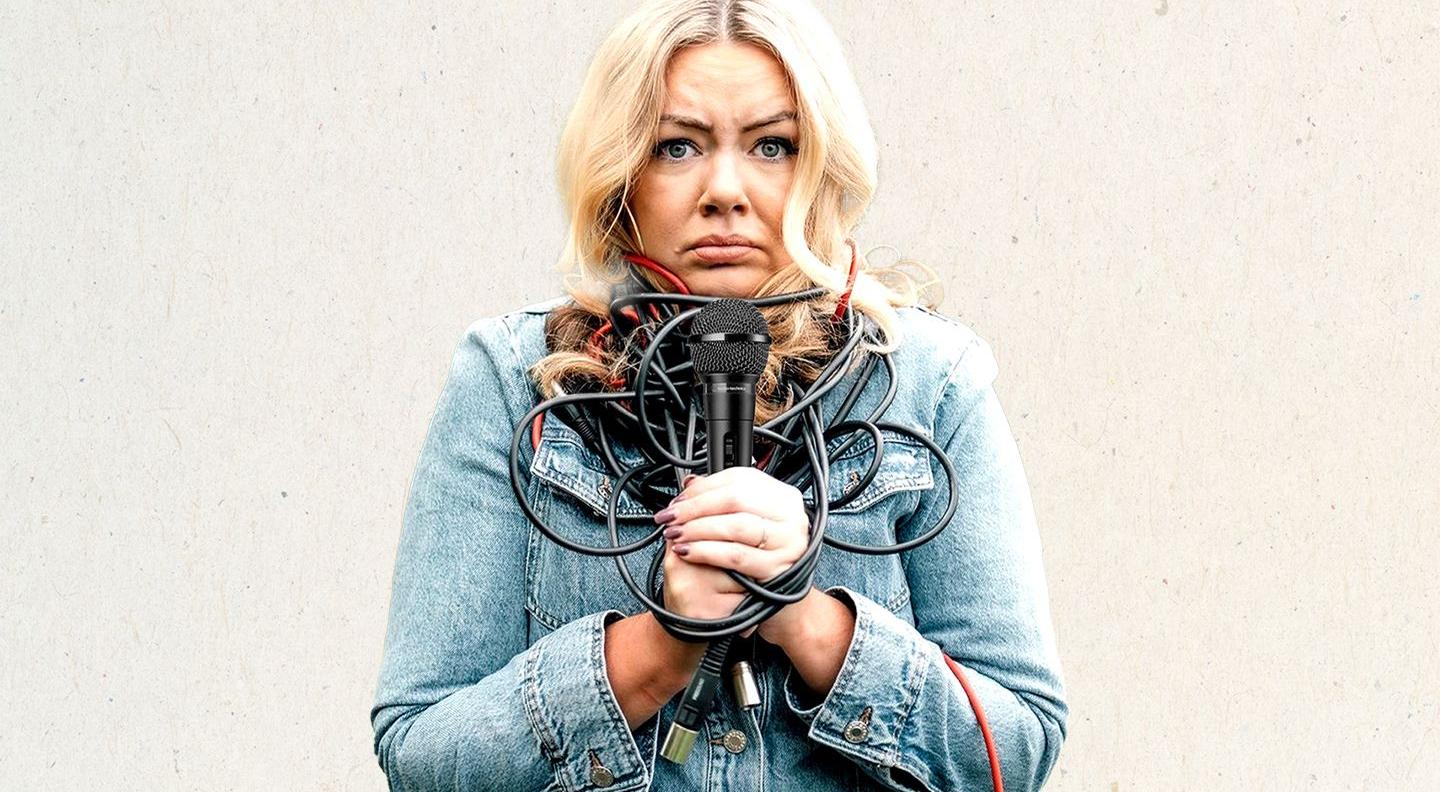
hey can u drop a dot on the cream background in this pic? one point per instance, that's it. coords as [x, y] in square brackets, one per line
[237, 248]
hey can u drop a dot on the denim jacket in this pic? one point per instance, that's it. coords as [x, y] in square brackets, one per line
[493, 675]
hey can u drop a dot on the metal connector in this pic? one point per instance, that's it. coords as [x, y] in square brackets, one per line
[678, 742]
[742, 684]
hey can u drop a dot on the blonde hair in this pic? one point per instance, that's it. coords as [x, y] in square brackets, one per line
[610, 135]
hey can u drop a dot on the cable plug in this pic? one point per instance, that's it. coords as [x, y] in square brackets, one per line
[696, 702]
[742, 684]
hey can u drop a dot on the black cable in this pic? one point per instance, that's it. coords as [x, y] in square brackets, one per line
[799, 436]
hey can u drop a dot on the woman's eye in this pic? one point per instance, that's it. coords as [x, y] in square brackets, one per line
[672, 149]
[775, 148]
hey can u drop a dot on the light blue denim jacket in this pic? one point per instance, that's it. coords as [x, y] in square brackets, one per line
[494, 678]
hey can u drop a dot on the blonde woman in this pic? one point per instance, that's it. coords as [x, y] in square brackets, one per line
[719, 148]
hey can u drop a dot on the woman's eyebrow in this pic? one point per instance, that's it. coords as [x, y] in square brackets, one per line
[686, 121]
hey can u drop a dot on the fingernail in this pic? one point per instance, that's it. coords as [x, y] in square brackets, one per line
[671, 533]
[664, 516]
[685, 482]
[681, 549]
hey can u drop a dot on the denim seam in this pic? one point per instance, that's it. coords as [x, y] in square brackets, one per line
[915, 690]
[901, 597]
[919, 670]
[579, 488]
[532, 563]
[576, 484]
[534, 711]
[844, 680]
[542, 615]
[613, 718]
[881, 488]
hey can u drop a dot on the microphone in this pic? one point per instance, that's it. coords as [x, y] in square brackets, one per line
[729, 344]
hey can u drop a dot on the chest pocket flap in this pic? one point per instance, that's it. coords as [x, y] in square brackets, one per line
[905, 466]
[565, 463]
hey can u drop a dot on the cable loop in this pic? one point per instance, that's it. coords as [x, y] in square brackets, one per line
[664, 406]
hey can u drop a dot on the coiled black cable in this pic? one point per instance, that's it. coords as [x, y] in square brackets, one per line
[799, 437]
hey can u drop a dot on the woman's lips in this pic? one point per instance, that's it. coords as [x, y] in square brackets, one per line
[716, 254]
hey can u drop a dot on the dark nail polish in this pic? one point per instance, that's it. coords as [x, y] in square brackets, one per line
[664, 515]
[682, 549]
[671, 533]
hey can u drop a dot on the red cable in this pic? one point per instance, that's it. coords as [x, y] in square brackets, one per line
[995, 779]
[658, 269]
[849, 283]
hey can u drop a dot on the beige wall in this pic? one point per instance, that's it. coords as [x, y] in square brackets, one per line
[238, 247]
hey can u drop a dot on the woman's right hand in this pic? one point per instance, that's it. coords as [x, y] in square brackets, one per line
[699, 591]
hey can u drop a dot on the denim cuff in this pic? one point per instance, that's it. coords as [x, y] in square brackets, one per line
[866, 709]
[574, 712]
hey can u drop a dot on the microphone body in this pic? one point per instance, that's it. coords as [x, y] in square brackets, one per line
[730, 419]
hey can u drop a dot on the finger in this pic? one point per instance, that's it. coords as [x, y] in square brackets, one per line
[705, 576]
[747, 496]
[742, 527]
[696, 484]
[756, 564]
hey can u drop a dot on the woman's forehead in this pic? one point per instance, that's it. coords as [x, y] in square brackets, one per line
[726, 84]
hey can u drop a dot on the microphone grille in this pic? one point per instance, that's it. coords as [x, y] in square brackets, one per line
[745, 354]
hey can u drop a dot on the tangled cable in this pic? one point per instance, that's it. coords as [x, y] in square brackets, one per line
[662, 401]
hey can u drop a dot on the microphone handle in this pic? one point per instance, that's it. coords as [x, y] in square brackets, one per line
[730, 420]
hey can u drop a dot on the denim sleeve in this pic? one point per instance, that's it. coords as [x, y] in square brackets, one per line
[462, 702]
[979, 595]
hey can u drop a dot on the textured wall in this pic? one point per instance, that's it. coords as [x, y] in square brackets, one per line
[237, 248]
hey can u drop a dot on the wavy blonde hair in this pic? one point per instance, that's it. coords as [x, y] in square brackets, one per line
[610, 135]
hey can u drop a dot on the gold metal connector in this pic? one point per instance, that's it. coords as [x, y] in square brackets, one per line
[678, 742]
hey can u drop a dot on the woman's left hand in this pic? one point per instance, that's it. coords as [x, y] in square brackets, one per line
[742, 519]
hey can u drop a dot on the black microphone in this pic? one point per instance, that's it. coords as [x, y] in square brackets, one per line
[729, 344]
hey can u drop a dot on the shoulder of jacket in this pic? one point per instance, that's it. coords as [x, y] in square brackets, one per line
[515, 338]
[941, 341]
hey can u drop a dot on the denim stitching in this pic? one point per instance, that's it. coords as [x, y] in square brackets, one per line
[919, 669]
[841, 689]
[612, 717]
[534, 711]
[568, 475]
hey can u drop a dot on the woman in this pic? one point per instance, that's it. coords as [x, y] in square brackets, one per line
[718, 147]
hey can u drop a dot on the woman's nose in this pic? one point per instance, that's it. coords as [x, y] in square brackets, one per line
[724, 187]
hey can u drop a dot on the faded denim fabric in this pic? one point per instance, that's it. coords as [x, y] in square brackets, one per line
[493, 675]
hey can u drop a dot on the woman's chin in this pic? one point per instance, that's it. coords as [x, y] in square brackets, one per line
[725, 280]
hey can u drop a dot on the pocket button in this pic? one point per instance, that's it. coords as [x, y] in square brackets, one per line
[600, 775]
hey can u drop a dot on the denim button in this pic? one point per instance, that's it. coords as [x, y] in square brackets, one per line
[856, 731]
[600, 775]
[734, 741]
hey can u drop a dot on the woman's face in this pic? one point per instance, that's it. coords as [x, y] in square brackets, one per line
[722, 166]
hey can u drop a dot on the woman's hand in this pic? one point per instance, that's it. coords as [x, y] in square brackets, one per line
[741, 519]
